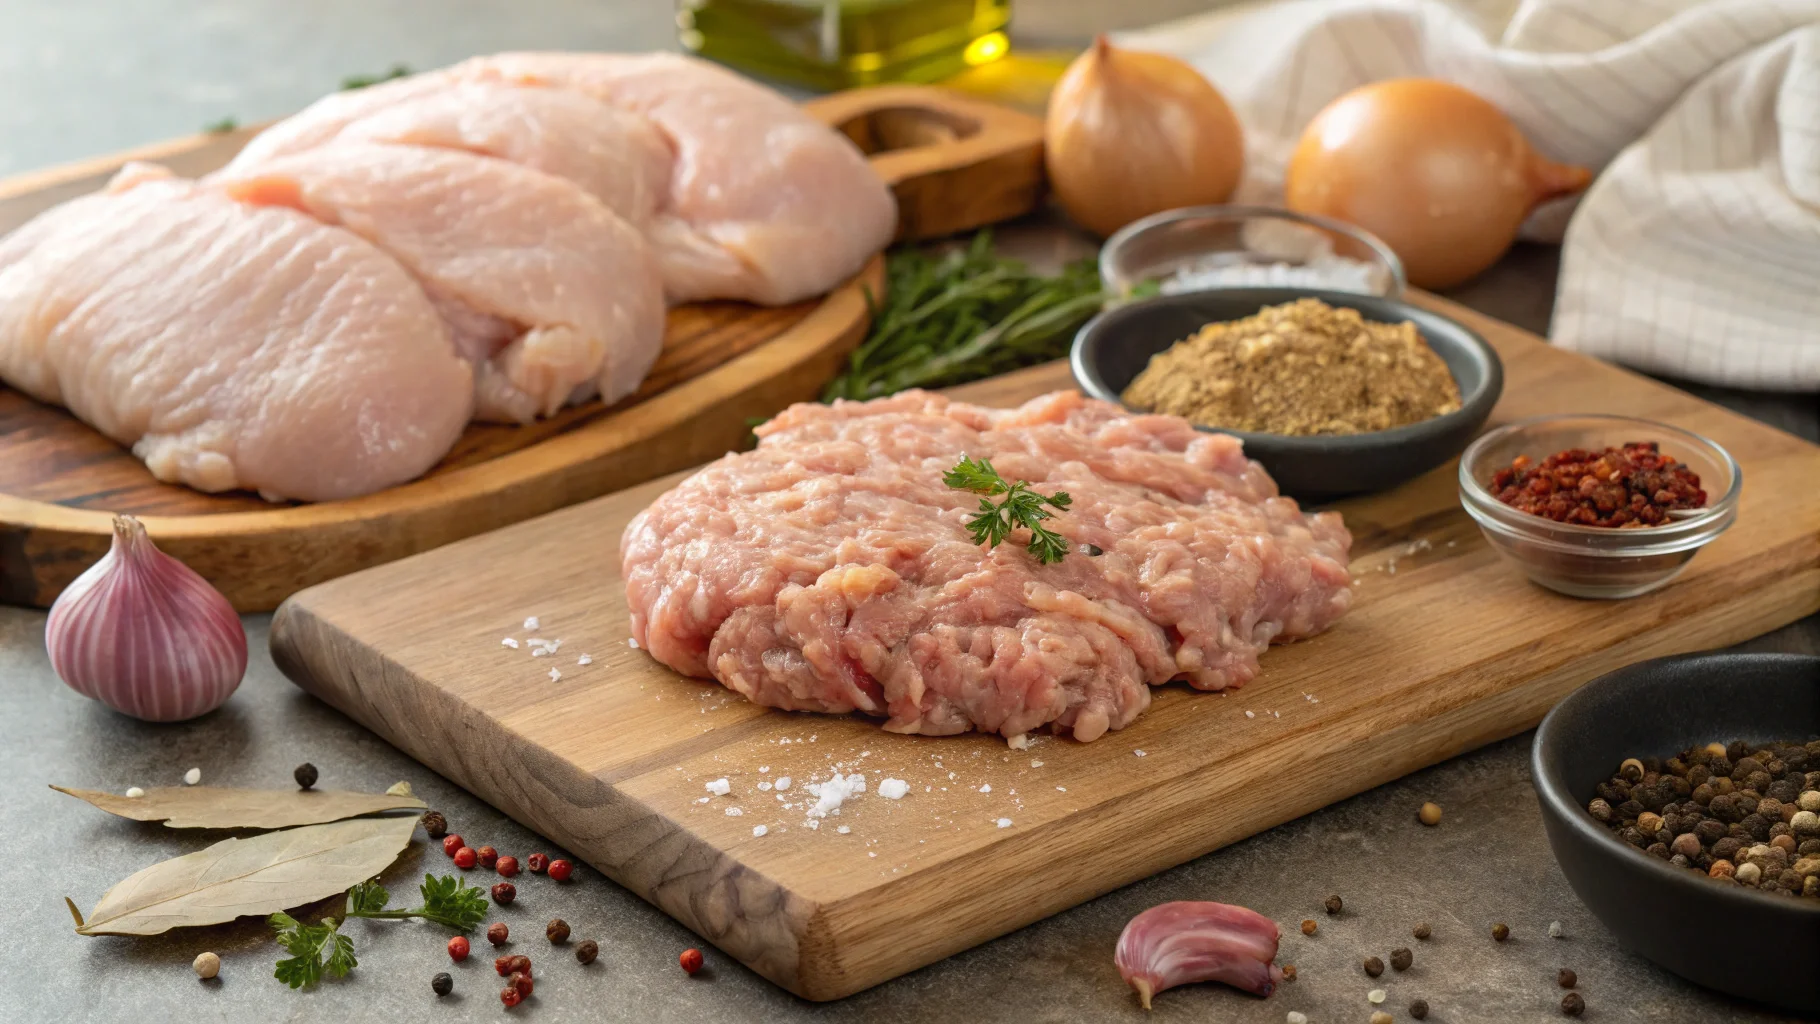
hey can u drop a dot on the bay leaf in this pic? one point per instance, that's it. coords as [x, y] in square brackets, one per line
[219, 807]
[261, 875]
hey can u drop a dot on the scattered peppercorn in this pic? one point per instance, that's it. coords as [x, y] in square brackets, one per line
[1374, 966]
[1566, 978]
[434, 824]
[1419, 1009]
[458, 948]
[504, 892]
[1430, 814]
[442, 984]
[561, 869]
[507, 866]
[1401, 958]
[1309, 927]
[464, 858]
[521, 980]
[305, 774]
[1572, 1005]
[1333, 904]
[691, 960]
[1288, 972]
[536, 863]
[505, 965]
[557, 931]
[1380, 1017]
[451, 843]
[587, 951]
[1422, 931]
[1500, 931]
[206, 965]
[510, 996]
[486, 856]
[498, 934]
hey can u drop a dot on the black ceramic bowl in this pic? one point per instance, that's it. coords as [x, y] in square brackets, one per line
[1727, 937]
[1114, 346]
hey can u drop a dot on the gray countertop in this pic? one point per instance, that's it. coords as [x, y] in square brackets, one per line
[85, 76]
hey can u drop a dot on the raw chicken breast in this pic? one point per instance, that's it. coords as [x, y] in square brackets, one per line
[551, 294]
[230, 346]
[618, 158]
[765, 202]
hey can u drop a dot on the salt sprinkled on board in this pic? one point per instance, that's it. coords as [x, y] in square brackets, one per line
[893, 789]
[759, 830]
[813, 824]
[555, 675]
[783, 782]
[987, 788]
[632, 643]
[834, 792]
[869, 853]
[1061, 789]
[532, 623]
[1036, 764]
[763, 768]
[843, 830]
[720, 787]
[765, 787]
[586, 659]
[1139, 753]
[704, 799]
[1004, 823]
[1251, 714]
[509, 642]
[734, 812]
[1019, 742]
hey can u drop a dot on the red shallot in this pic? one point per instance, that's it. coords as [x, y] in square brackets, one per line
[144, 634]
[1178, 943]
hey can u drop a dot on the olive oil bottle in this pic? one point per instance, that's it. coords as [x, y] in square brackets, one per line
[837, 44]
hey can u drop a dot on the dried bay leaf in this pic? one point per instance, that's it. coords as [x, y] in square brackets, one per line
[217, 807]
[240, 877]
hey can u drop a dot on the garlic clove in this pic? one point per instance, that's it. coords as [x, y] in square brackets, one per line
[144, 634]
[1178, 943]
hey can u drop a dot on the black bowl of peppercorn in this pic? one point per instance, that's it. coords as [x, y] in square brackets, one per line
[1719, 754]
[1116, 346]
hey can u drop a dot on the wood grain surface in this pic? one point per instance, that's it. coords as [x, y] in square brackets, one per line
[953, 162]
[1447, 648]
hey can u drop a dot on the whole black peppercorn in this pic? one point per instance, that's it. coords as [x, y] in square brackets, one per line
[1757, 825]
[1634, 837]
[1710, 831]
[1334, 904]
[1629, 809]
[1599, 809]
[1572, 1005]
[1675, 766]
[1500, 931]
[557, 931]
[1808, 847]
[1727, 848]
[1658, 850]
[587, 951]
[1373, 966]
[1747, 804]
[1721, 767]
[434, 824]
[1567, 978]
[442, 984]
[1698, 774]
[1737, 749]
[1775, 767]
[1419, 1009]
[1401, 958]
[1422, 930]
[1744, 767]
[305, 774]
[1784, 790]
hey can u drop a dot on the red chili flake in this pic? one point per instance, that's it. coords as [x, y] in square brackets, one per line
[1632, 486]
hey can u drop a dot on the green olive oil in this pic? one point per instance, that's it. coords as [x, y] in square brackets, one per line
[838, 44]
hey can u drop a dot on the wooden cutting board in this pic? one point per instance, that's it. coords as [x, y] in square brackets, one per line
[1447, 648]
[954, 163]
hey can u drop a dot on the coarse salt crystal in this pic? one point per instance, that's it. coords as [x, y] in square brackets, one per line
[843, 830]
[759, 830]
[704, 799]
[720, 787]
[509, 642]
[893, 789]
[1250, 714]
[532, 623]
[734, 812]
[763, 768]
[869, 853]
[1139, 753]
[1019, 742]
[1376, 996]
[783, 782]
[987, 788]
[135, 792]
[1555, 930]
[193, 776]
[586, 659]
[1004, 823]
[813, 824]
[1061, 789]
[764, 787]
[1036, 764]
[1296, 1017]
[632, 643]
[555, 675]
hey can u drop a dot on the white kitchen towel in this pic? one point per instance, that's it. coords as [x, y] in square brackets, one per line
[1696, 253]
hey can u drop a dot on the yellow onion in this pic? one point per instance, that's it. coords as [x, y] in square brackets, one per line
[1441, 175]
[1130, 134]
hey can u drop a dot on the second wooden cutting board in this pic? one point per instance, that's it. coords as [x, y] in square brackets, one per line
[1446, 649]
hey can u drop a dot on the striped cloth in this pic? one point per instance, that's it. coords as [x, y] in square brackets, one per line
[1696, 253]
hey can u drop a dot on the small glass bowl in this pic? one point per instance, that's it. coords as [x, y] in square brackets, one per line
[1217, 237]
[1593, 561]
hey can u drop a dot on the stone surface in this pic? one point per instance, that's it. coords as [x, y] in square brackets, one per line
[86, 76]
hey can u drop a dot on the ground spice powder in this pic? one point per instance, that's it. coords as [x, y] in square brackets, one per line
[1301, 368]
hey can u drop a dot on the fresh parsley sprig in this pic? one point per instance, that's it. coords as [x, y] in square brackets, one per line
[316, 949]
[1020, 506]
[446, 901]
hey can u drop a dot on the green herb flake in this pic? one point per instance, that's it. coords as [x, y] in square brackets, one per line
[1020, 507]
[221, 127]
[362, 81]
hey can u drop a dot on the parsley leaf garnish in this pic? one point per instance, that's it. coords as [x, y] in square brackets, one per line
[316, 949]
[1020, 506]
[446, 901]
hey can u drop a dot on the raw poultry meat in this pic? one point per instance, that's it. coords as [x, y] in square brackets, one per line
[552, 295]
[230, 346]
[831, 570]
[765, 202]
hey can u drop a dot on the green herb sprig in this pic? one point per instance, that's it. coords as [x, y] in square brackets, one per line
[964, 315]
[362, 81]
[1020, 506]
[446, 901]
[316, 949]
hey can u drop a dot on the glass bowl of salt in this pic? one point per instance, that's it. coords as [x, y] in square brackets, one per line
[1207, 248]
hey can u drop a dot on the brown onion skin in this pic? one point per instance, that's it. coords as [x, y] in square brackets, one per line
[1114, 139]
[1440, 174]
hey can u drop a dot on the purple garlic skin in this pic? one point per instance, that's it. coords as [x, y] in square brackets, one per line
[1178, 943]
[142, 633]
